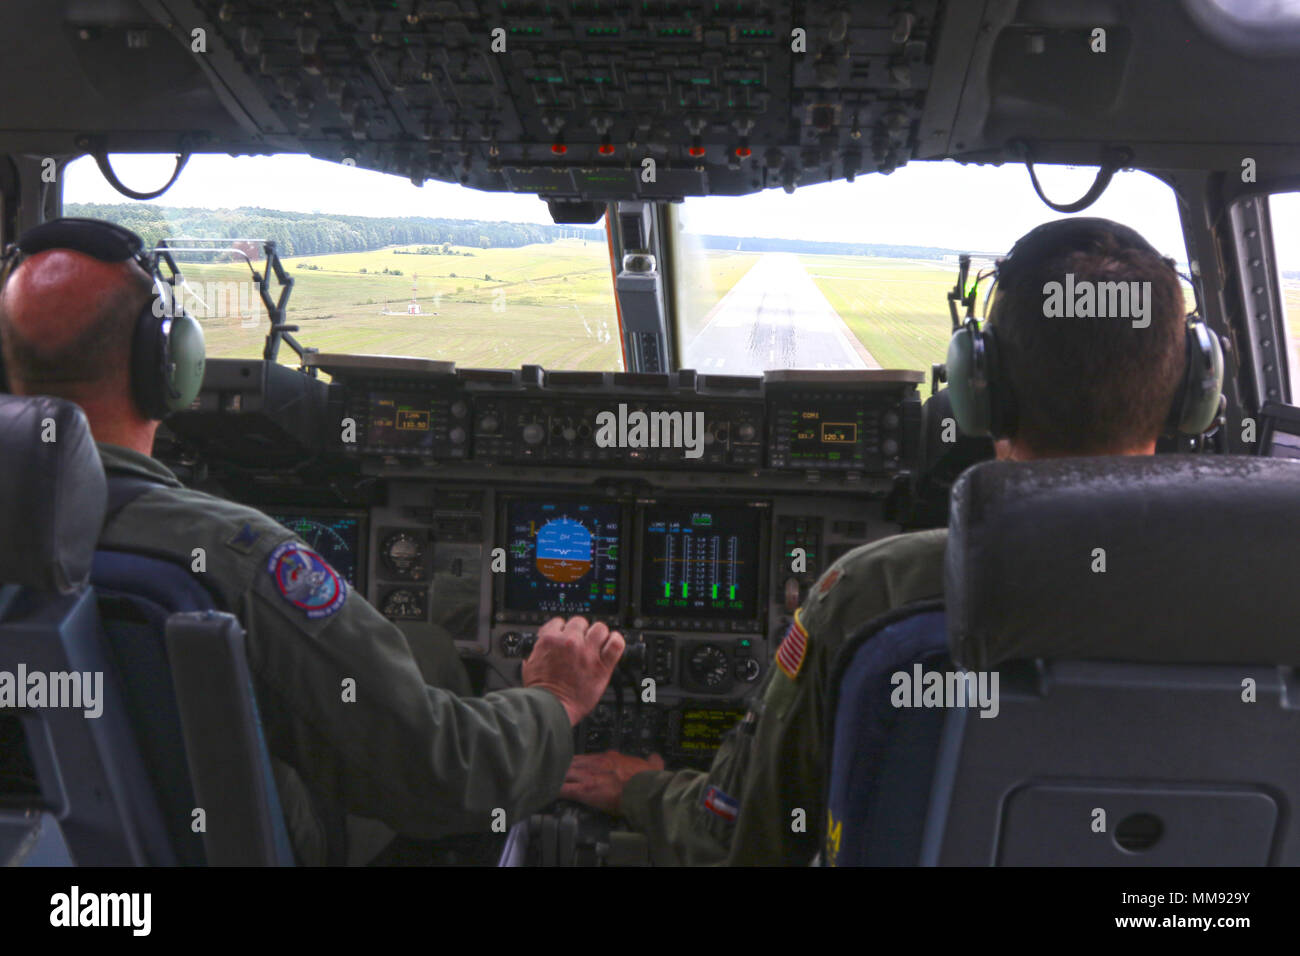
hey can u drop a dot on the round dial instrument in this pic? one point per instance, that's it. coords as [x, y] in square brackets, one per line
[707, 665]
[403, 555]
[403, 604]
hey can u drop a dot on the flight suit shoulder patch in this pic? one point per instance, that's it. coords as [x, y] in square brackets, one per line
[305, 579]
[793, 650]
[828, 580]
[721, 805]
[245, 539]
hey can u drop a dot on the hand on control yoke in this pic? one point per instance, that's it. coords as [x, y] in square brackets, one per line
[574, 661]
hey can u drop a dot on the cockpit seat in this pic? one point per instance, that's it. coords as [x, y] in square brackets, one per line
[1139, 616]
[159, 722]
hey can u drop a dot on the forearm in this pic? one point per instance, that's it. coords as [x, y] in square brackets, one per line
[666, 806]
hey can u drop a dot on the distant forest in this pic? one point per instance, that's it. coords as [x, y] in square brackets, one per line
[314, 234]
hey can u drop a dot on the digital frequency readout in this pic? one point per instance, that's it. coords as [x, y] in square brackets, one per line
[827, 434]
[400, 421]
[700, 562]
[563, 557]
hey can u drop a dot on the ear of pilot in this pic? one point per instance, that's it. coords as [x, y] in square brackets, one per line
[364, 745]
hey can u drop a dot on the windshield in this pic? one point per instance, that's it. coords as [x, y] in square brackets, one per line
[833, 276]
[380, 266]
[855, 275]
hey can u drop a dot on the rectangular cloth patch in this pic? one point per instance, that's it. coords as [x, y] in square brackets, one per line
[791, 653]
[719, 804]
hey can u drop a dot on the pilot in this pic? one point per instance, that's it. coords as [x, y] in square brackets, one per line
[1083, 386]
[350, 722]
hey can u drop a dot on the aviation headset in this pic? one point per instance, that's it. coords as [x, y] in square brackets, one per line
[167, 351]
[982, 400]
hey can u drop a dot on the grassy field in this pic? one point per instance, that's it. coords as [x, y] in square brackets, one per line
[709, 275]
[553, 304]
[898, 309]
[550, 304]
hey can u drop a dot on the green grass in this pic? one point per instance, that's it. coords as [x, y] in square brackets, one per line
[551, 304]
[708, 276]
[897, 308]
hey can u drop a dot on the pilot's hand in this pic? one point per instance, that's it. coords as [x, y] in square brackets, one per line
[573, 661]
[598, 779]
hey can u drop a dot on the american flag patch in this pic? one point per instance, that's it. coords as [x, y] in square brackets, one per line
[719, 804]
[790, 655]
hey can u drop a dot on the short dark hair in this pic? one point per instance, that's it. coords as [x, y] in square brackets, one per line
[1091, 385]
[102, 347]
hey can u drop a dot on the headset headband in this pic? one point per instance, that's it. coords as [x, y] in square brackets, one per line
[105, 241]
[1064, 236]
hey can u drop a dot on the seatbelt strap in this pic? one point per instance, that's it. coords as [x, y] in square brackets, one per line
[124, 489]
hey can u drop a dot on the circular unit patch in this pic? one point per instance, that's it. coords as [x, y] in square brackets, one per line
[306, 580]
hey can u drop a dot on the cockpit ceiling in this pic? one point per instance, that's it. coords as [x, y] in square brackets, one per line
[602, 100]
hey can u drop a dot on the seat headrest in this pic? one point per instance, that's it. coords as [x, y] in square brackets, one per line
[52, 494]
[1169, 558]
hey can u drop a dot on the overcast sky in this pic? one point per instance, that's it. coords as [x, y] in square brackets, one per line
[979, 208]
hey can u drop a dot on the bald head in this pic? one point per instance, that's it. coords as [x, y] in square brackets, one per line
[66, 322]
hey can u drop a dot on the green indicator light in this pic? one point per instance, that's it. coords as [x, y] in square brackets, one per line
[668, 589]
[684, 587]
[714, 593]
[731, 592]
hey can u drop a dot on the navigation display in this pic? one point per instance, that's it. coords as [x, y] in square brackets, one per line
[700, 562]
[562, 557]
[335, 537]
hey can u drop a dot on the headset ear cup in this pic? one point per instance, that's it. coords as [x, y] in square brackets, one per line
[148, 348]
[167, 361]
[1003, 412]
[184, 362]
[1197, 403]
[967, 386]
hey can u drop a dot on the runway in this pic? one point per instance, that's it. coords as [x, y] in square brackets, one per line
[775, 317]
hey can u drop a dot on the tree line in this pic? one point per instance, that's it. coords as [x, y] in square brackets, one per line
[314, 234]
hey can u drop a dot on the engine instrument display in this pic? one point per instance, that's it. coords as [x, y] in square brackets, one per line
[335, 537]
[700, 562]
[562, 558]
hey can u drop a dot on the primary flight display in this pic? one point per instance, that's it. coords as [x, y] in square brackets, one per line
[563, 557]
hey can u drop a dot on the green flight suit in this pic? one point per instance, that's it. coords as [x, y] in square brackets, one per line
[419, 759]
[743, 810]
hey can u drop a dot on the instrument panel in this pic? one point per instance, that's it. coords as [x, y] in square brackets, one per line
[692, 513]
[702, 587]
[863, 423]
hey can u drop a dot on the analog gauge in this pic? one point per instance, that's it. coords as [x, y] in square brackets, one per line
[708, 665]
[403, 555]
[403, 604]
